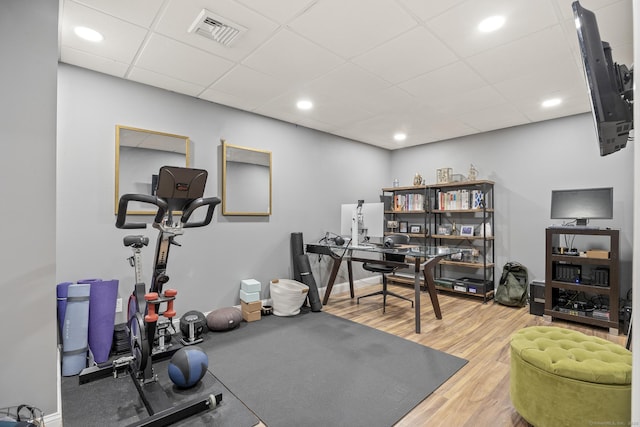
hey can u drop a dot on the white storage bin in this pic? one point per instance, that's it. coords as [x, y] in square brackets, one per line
[288, 296]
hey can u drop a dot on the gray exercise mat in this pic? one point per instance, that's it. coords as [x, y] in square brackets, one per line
[316, 369]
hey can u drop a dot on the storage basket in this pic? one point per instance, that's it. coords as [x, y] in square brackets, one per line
[288, 296]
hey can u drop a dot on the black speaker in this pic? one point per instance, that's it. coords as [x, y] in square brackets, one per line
[536, 298]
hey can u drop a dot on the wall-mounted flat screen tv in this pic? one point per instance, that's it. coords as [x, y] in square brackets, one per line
[610, 85]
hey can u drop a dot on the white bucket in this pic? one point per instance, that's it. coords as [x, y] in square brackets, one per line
[288, 296]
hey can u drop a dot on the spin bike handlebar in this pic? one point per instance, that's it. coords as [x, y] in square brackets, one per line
[210, 202]
[121, 220]
[163, 206]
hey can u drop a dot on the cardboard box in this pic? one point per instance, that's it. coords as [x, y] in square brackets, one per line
[250, 285]
[597, 253]
[250, 307]
[251, 316]
[249, 296]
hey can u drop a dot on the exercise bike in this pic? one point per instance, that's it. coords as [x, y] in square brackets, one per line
[179, 193]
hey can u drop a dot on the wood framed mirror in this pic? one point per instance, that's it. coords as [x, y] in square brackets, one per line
[139, 155]
[246, 180]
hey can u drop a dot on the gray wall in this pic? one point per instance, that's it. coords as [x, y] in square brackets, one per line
[526, 163]
[312, 176]
[28, 194]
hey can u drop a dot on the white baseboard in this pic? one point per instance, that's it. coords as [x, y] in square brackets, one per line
[339, 288]
[53, 420]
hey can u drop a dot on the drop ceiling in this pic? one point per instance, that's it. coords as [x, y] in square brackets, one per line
[372, 68]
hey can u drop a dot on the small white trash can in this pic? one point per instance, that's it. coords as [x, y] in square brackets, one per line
[288, 296]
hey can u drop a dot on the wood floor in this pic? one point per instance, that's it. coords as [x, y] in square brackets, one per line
[478, 394]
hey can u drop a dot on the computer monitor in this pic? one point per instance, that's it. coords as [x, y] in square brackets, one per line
[582, 204]
[371, 221]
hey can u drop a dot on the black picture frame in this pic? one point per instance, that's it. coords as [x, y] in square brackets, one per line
[404, 227]
[415, 228]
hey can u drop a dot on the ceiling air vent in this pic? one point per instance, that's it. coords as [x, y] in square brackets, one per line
[216, 28]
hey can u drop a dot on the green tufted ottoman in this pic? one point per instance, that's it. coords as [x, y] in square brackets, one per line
[561, 377]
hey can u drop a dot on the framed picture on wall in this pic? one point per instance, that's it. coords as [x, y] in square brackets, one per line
[404, 227]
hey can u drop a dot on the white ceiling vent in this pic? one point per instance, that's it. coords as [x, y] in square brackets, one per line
[216, 28]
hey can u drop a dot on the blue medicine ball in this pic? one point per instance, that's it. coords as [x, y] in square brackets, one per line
[187, 366]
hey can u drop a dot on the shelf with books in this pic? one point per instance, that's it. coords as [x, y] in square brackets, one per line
[463, 216]
[459, 214]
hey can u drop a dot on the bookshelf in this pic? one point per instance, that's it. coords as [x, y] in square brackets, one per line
[457, 214]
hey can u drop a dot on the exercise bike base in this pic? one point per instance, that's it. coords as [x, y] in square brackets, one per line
[94, 373]
[180, 412]
[153, 396]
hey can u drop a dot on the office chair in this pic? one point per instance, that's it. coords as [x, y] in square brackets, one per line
[384, 269]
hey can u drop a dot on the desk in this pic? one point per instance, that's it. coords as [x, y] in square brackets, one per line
[425, 260]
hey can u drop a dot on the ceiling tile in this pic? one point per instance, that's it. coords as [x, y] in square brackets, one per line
[428, 9]
[155, 54]
[290, 57]
[253, 86]
[344, 82]
[121, 39]
[280, 11]
[543, 83]
[388, 100]
[139, 12]
[458, 25]
[336, 111]
[352, 27]
[448, 81]
[494, 117]
[164, 81]
[82, 59]
[531, 54]
[408, 55]
[473, 100]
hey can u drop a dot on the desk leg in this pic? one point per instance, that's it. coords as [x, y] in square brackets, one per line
[416, 286]
[332, 278]
[428, 268]
[350, 271]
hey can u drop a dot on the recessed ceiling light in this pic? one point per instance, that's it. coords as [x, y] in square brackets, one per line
[88, 34]
[400, 136]
[491, 23]
[304, 104]
[551, 102]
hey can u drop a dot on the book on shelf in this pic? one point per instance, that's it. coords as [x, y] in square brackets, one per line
[477, 199]
[458, 199]
[408, 202]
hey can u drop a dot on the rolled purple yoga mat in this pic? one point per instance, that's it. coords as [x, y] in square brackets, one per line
[102, 315]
